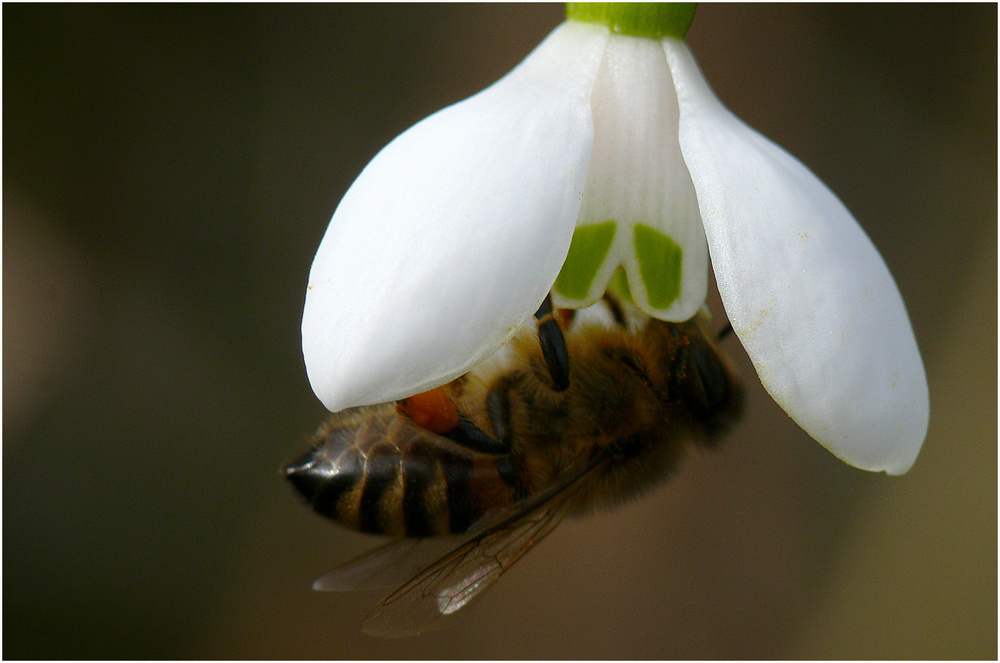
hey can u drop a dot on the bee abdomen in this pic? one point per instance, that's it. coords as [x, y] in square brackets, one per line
[386, 476]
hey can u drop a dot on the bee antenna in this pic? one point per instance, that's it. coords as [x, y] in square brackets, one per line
[724, 332]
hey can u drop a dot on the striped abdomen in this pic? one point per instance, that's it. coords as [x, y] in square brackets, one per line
[375, 471]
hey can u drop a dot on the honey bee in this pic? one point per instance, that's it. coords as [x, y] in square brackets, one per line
[502, 454]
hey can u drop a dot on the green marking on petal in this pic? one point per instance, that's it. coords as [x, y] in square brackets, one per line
[587, 252]
[654, 20]
[660, 260]
[618, 285]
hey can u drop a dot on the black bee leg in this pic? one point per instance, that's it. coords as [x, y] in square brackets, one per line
[615, 307]
[498, 410]
[470, 436]
[550, 337]
[724, 332]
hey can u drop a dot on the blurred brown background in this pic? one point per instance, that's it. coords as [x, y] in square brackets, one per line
[168, 173]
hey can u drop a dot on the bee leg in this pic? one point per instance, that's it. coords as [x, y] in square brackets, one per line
[616, 310]
[470, 436]
[550, 337]
[498, 409]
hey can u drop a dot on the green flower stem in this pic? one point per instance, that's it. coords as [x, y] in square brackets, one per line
[653, 20]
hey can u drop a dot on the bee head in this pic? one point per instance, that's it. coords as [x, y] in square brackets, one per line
[695, 373]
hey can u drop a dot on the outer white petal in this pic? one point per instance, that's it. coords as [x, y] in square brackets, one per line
[807, 292]
[639, 183]
[451, 236]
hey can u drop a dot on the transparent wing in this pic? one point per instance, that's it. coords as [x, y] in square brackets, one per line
[458, 578]
[389, 565]
[464, 574]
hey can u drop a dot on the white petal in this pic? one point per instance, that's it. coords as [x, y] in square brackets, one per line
[451, 236]
[639, 202]
[808, 294]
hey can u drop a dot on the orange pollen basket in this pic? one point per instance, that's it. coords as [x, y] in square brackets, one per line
[431, 410]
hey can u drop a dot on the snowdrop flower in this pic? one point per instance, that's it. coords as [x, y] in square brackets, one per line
[604, 157]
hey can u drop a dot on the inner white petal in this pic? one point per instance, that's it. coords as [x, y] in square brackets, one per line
[638, 176]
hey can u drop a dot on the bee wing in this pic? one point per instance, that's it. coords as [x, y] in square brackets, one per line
[389, 565]
[464, 574]
[458, 578]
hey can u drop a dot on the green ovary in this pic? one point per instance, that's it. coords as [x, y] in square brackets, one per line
[660, 259]
[587, 251]
[653, 20]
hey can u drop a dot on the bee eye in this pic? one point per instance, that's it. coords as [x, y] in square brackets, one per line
[707, 392]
